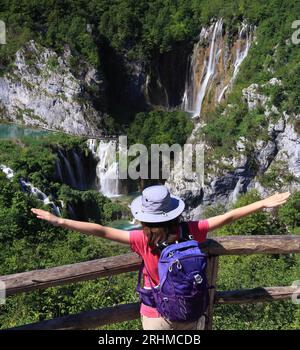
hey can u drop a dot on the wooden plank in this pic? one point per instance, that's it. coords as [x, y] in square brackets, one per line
[38, 279]
[246, 245]
[89, 319]
[255, 295]
[120, 313]
[212, 271]
[230, 245]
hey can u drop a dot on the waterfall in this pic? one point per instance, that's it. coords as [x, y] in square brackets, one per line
[72, 168]
[59, 170]
[244, 41]
[214, 65]
[79, 170]
[107, 169]
[210, 69]
[69, 170]
[92, 145]
[28, 187]
[9, 173]
[196, 86]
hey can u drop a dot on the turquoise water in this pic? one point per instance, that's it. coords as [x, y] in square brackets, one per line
[125, 225]
[13, 131]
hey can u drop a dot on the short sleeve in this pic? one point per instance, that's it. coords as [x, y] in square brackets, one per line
[136, 241]
[199, 229]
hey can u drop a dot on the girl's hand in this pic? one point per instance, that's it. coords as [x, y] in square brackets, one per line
[275, 200]
[45, 215]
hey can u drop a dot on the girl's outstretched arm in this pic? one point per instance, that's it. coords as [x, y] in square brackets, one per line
[235, 214]
[89, 228]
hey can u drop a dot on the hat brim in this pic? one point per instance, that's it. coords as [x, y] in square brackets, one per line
[136, 205]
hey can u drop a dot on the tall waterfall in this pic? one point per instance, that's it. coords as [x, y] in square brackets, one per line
[107, 169]
[68, 169]
[243, 44]
[214, 65]
[80, 171]
[73, 169]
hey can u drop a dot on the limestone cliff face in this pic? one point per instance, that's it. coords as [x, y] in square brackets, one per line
[214, 65]
[42, 90]
[277, 162]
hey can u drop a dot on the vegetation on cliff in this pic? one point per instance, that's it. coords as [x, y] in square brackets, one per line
[137, 30]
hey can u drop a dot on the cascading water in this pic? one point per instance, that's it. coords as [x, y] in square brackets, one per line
[210, 69]
[107, 169]
[214, 66]
[80, 171]
[9, 173]
[244, 41]
[92, 145]
[196, 85]
[28, 187]
[59, 171]
[68, 169]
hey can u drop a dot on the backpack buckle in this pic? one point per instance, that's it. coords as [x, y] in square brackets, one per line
[198, 279]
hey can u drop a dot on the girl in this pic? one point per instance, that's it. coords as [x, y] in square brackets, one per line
[159, 213]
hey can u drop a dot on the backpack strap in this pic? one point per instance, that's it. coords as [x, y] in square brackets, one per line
[185, 233]
[141, 269]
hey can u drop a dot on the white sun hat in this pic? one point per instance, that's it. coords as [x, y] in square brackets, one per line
[156, 204]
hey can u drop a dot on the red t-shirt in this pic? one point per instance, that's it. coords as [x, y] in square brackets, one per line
[138, 243]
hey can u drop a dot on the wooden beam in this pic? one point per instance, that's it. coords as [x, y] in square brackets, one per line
[255, 295]
[230, 245]
[89, 319]
[246, 245]
[212, 272]
[126, 312]
[88, 270]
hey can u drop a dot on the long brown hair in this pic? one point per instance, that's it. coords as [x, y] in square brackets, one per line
[160, 232]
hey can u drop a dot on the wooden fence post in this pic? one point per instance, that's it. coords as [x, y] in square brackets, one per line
[212, 271]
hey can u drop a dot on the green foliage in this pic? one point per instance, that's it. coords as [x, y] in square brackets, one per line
[27, 243]
[250, 272]
[289, 213]
[141, 30]
[159, 127]
[255, 224]
[277, 176]
[271, 55]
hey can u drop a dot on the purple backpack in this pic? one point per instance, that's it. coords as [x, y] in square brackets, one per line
[182, 294]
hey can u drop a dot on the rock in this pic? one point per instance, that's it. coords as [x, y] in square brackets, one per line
[289, 149]
[41, 90]
[264, 153]
[281, 147]
[253, 98]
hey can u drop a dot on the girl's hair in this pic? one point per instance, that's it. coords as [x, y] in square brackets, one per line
[160, 232]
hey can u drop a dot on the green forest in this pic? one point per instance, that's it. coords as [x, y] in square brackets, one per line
[142, 30]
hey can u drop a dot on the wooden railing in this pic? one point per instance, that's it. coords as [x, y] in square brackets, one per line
[230, 245]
